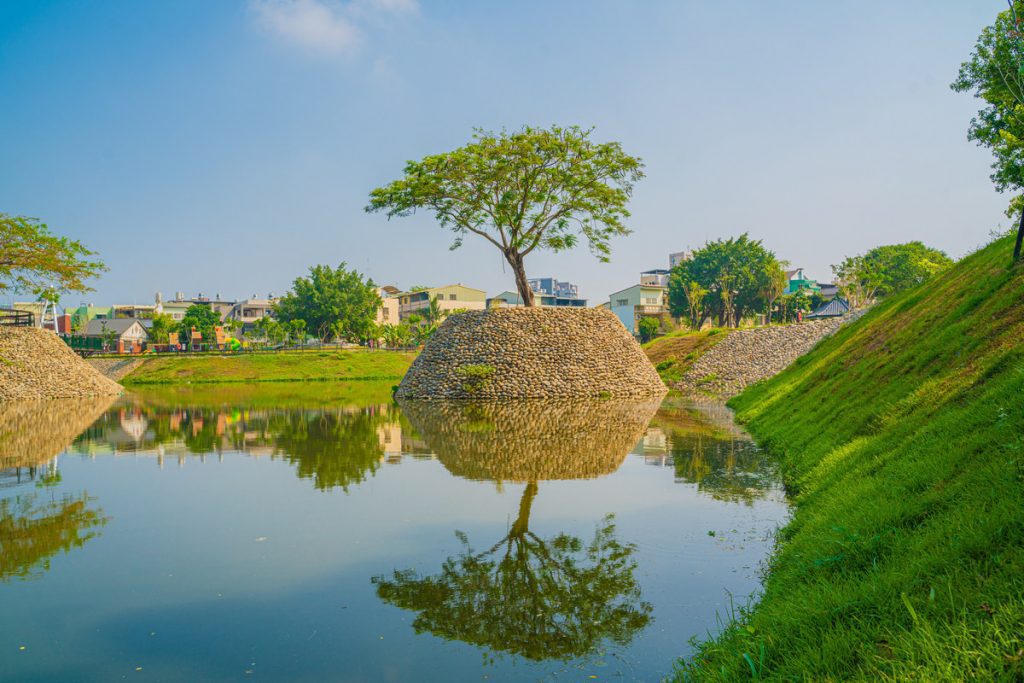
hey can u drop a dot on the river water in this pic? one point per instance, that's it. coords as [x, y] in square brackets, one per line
[324, 533]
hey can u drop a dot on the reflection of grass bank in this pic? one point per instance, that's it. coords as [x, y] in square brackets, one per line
[318, 366]
[266, 394]
[902, 440]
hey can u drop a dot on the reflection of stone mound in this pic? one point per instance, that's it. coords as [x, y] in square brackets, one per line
[531, 440]
[35, 363]
[531, 353]
[32, 432]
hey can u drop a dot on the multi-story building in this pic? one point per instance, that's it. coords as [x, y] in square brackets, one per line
[249, 311]
[547, 292]
[639, 301]
[655, 278]
[449, 298]
[797, 281]
[387, 314]
[678, 257]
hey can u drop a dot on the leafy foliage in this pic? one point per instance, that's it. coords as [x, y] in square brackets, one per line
[201, 317]
[33, 259]
[648, 327]
[336, 300]
[33, 530]
[726, 279]
[886, 270]
[530, 189]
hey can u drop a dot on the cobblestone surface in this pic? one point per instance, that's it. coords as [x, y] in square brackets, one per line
[531, 353]
[748, 356]
[35, 363]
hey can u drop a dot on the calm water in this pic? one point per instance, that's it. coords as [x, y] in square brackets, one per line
[323, 533]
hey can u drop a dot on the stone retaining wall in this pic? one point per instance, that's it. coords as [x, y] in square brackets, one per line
[115, 368]
[748, 356]
[531, 353]
[35, 363]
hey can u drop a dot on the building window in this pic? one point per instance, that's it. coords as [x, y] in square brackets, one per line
[386, 311]
[622, 302]
[451, 297]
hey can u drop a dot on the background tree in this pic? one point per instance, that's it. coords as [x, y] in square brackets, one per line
[32, 259]
[648, 327]
[201, 317]
[738, 267]
[689, 298]
[886, 270]
[995, 74]
[332, 295]
[529, 189]
[772, 287]
[163, 324]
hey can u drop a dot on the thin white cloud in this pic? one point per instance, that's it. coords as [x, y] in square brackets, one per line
[325, 27]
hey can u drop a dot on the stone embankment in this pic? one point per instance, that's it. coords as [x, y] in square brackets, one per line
[115, 368]
[36, 364]
[748, 356]
[531, 353]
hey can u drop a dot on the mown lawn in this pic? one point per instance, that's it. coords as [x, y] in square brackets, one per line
[901, 439]
[273, 367]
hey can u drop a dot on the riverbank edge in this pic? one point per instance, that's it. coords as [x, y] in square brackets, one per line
[904, 558]
[308, 366]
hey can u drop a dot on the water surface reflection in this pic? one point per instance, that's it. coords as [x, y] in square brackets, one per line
[321, 532]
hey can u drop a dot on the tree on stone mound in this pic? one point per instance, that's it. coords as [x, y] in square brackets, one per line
[530, 189]
[32, 259]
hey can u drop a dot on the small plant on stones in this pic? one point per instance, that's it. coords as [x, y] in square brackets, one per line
[475, 377]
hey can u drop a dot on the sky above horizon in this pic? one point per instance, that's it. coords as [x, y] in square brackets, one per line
[225, 147]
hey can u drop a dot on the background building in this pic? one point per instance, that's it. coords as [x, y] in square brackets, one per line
[449, 298]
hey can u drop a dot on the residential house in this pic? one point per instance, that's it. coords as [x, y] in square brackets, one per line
[449, 298]
[835, 308]
[656, 278]
[639, 301]
[797, 281]
[126, 335]
[548, 292]
[248, 311]
[387, 314]
[133, 310]
[828, 290]
[83, 315]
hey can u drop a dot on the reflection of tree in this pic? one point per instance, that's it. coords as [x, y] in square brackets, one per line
[335, 446]
[31, 532]
[555, 598]
[331, 448]
[710, 451]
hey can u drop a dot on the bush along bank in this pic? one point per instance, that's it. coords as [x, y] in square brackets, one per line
[901, 440]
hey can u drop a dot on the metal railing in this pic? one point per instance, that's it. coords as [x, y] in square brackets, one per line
[13, 318]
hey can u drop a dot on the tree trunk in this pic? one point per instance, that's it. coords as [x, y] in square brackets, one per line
[522, 523]
[1020, 237]
[525, 293]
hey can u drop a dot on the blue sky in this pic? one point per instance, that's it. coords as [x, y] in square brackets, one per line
[224, 147]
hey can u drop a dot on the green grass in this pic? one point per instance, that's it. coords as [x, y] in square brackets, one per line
[272, 367]
[265, 394]
[674, 353]
[901, 440]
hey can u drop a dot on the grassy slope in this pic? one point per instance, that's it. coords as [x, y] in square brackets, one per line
[272, 367]
[902, 439]
[673, 354]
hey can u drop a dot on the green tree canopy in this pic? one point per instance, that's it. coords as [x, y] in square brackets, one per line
[336, 300]
[731, 275]
[33, 259]
[530, 189]
[994, 73]
[888, 269]
[201, 317]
